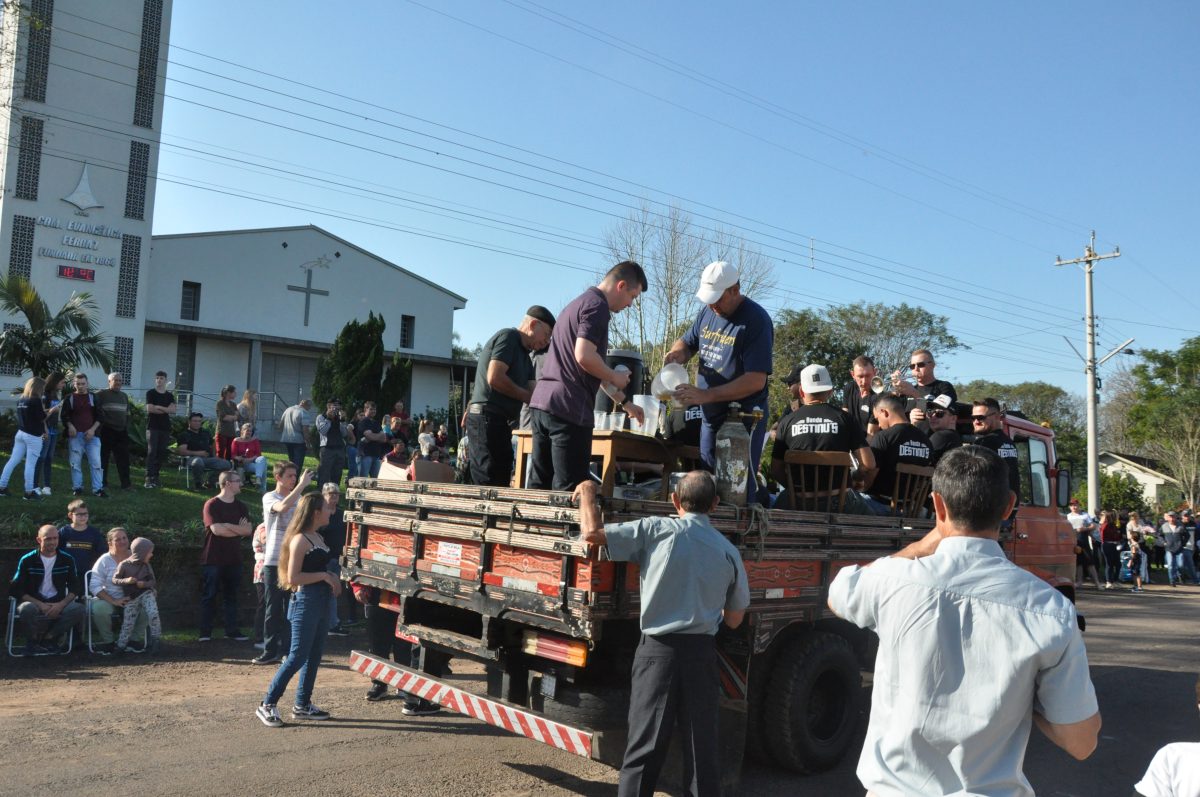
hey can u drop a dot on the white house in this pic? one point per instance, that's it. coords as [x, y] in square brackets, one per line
[256, 308]
[1158, 488]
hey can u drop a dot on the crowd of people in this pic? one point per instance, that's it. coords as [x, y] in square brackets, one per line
[1125, 547]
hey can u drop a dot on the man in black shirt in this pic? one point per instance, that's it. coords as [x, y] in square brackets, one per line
[897, 442]
[943, 423]
[819, 426]
[858, 398]
[372, 443]
[988, 424]
[504, 380]
[928, 386]
[160, 406]
[196, 446]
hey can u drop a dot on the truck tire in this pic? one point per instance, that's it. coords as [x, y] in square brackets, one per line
[814, 703]
[600, 708]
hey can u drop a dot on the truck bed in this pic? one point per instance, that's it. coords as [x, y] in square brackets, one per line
[487, 555]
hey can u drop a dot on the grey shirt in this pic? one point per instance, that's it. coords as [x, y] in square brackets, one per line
[293, 422]
[1172, 537]
[688, 572]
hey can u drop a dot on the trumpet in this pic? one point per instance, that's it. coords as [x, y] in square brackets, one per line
[877, 385]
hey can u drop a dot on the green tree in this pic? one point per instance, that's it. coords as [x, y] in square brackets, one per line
[1041, 402]
[1166, 421]
[353, 369]
[803, 337]
[1119, 492]
[47, 341]
[889, 334]
[396, 384]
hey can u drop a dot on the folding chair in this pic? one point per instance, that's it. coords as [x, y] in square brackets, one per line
[911, 490]
[12, 625]
[89, 601]
[817, 480]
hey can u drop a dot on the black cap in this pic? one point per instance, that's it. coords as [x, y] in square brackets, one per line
[793, 376]
[541, 314]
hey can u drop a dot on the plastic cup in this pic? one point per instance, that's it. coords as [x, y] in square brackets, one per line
[599, 419]
[616, 420]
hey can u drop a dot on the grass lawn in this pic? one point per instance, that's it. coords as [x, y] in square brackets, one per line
[170, 514]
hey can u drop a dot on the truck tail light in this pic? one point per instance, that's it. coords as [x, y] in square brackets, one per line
[555, 648]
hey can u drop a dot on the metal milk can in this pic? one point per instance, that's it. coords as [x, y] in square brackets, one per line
[732, 458]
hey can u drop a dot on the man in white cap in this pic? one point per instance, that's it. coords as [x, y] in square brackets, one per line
[734, 337]
[819, 426]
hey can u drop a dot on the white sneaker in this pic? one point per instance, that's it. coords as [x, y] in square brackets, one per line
[45, 491]
[269, 716]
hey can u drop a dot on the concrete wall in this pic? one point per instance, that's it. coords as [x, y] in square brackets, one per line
[430, 388]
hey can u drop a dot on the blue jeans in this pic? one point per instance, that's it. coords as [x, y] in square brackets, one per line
[26, 447]
[77, 446]
[47, 461]
[1174, 562]
[368, 467]
[351, 461]
[225, 579]
[310, 623]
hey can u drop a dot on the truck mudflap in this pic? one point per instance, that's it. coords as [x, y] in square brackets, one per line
[494, 712]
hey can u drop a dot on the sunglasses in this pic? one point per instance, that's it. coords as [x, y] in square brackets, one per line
[937, 414]
[981, 418]
[924, 364]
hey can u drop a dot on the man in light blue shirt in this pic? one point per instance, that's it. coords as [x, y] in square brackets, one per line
[973, 650]
[691, 579]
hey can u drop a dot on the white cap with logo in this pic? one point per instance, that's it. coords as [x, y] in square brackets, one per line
[716, 279]
[815, 379]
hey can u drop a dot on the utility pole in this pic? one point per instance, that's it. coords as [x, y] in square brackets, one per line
[1092, 385]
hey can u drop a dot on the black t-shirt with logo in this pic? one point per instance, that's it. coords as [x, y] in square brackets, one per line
[902, 444]
[860, 408]
[818, 427]
[1003, 445]
[683, 425]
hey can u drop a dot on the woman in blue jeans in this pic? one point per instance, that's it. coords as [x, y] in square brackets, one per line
[302, 569]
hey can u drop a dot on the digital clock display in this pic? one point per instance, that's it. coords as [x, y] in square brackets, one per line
[77, 273]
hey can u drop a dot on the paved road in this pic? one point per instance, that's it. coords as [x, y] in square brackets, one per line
[184, 725]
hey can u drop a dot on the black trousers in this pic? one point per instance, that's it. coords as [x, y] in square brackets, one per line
[675, 682]
[383, 642]
[115, 443]
[158, 442]
[296, 452]
[490, 452]
[561, 452]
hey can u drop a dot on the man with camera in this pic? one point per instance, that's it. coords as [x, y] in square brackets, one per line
[336, 434]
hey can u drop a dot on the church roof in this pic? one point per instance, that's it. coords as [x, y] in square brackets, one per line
[327, 234]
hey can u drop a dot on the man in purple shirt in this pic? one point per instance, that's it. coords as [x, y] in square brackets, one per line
[575, 366]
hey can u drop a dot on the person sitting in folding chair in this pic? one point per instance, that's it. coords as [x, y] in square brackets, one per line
[45, 587]
[107, 597]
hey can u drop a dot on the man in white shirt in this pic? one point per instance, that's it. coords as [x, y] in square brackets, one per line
[45, 587]
[1079, 520]
[949, 715]
[278, 507]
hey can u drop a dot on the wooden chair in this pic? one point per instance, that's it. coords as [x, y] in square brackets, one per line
[910, 493]
[817, 480]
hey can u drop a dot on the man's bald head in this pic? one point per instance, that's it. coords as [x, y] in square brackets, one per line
[47, 539]
[697, 492]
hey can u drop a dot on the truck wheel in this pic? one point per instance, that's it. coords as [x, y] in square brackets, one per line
[599, 709]
[813, 704]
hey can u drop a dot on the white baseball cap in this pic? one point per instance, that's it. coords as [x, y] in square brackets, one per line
[815, 379]
[716, 279]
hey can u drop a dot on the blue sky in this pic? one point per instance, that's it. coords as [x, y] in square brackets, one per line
[939, 153]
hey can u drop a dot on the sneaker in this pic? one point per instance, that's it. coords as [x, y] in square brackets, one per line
[1136, 589]
[338, 630]
[45, 491]
[377, 692]
[105, 649]
[100, 493]
[422, 709]
[149, 486]
[34, 649]
[260, 645]
[269, 716]
[4, 493]
[1108, 585]
[309, 712]
[204, 638]
[237, 636]
[78, 491]
[265, 659]
[33, 495]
